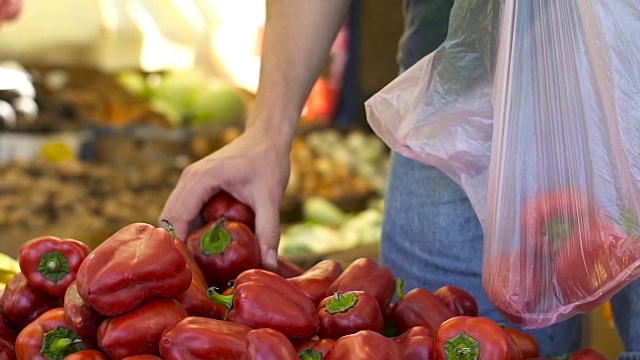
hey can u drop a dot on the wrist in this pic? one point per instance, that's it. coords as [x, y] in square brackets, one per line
[273, 121]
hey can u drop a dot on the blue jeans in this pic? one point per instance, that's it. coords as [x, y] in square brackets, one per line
[431, 237]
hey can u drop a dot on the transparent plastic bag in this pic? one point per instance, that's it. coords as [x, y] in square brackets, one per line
[564, 180]
[556, 183]
[439, 111]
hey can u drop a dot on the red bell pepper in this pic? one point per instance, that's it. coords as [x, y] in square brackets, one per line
[583, 354]
[416, 343]
[136, 263]
[575, 244]
[288, 269]
[519, 277]
[87, 355]
[7, 335]
[223, 205]
[591, 259]
[142, 357]
[138, 331]
[316, 280]
[269, 344]
[195, 300]
[83, 319]
[49, 337]
[344, 314]
[7, 352]
[458, 300]
[365, 345]
[473, 338]
[204, 339]
[527, 344]
[418, 307]
[50, 263]
[264, 299]
[223, 249]
[21, 303]
[7, 341]
[314, 348]
[365, 274]
[514, 296]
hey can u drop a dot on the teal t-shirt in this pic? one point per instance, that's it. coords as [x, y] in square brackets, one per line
[425, 28]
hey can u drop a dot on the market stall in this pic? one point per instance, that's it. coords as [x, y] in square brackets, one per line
[94, 138]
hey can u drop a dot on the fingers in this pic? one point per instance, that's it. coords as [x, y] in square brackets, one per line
[183, 206]
[267, 212]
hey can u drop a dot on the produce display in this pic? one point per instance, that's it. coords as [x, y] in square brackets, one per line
[132, 296]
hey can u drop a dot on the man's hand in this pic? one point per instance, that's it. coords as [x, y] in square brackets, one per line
[9, 9]
[254, 169]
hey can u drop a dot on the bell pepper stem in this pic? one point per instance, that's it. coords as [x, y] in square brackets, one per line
[310, 354]
[224, 300]
[463, 347]
[341, 302]
[399, 285]
[60, 343]
[216, 239]
[169, 227]
[54, 266]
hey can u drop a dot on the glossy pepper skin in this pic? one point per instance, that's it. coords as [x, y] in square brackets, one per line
[195, 300]
[473, 338]
[223, 249]
[204, 339]
[7, 352]
[344, 314]
[458, 300]
[21, 303]
[223, 205]
[366, 275]
[7, 341]
[527, 344]
[418, 307]
[49, 337]
[142, 357]
[416, 343]
[314, 348]
[582, 354]
[287, 268]
[51, 264]
[7, 336]
[365, 345]
[269, 344]
[83, 319]
[316, 280]
[138, 332]
[264, 299]
[87, 355]
[136, 263]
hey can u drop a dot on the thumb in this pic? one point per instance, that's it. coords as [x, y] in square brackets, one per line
[268, 232]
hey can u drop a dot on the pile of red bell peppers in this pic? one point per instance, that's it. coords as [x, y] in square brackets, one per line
[143, 294]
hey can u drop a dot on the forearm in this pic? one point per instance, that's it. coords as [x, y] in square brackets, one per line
[297, 38]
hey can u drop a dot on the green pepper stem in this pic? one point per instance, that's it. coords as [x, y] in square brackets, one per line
[341, 302]
[54, 266]
[462, 347]
[399, 285]
[224, 300]
[169, 227]
[310, 354]
[216, 239]
[60, 343]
